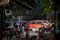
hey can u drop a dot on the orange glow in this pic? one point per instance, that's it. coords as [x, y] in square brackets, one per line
[36, 23]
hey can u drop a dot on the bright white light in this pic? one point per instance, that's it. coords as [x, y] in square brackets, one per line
[33, 29]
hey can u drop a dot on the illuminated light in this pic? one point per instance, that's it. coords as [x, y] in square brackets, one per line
[33, 29]
[4, 2]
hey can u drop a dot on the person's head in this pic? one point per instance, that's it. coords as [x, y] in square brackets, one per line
[16, 26]
[42, 25]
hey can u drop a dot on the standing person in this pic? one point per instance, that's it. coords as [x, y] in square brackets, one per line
[7, 33]
[14, 24]
[16, 29]
[23, 30]
[23, 27]
[41, 32]
[46, 31]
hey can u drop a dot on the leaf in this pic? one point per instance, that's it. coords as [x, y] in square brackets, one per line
[47, 6]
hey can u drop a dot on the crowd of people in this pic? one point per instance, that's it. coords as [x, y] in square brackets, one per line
[20, 30]
[46, 31]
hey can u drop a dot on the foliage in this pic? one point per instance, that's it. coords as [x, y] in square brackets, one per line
[47, 4]
[9, 16]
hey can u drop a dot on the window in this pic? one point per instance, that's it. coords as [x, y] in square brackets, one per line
[33, 23]
[38, 22]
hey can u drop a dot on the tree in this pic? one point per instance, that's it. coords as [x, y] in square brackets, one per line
[47, 4]
[42, 8]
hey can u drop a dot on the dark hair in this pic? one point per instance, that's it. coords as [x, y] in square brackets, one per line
[16, 26]
[6, 24]
[41, 24]
[39, 28]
